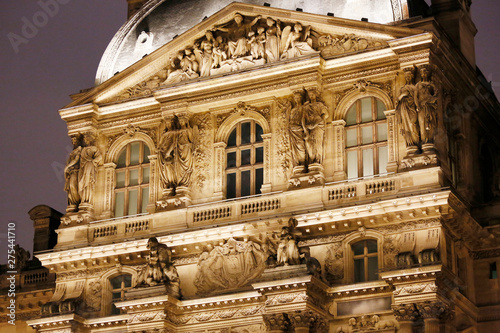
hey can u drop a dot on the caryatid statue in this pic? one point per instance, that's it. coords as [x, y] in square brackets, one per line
[71, 174]
[159, 269]
[90, 159]
[407, 112]
[296, 132]
[288, 252]
[426, 101]
[314, 122]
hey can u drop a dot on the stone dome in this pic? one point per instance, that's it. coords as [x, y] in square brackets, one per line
[159, 21]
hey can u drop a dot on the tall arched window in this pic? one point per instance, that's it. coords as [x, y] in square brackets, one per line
[366, 138]
[119, 285]
[132, 180]
[244, 160]
[365, 258]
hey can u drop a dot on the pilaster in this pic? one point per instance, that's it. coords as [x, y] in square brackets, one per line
[109, 186]
[220, 162]
[266, 186]
[338, 150]
[392, 140]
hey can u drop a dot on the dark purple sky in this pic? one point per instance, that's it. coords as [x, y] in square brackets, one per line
[59, 59]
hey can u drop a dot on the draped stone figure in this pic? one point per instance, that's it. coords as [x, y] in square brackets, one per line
[313, 122]
[273, 33]
[297, 44]
[296, 132]
[90, 159]
[426, 101]
[71, 174]
[159, 268]
[288, 252]
[176, 155]
[407, 112]
[238, 31]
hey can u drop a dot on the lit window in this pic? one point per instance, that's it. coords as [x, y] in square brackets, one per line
[365, 260]
[119, 285]
[493, 270]
[244, 160]
[132, 180]
[366, 138]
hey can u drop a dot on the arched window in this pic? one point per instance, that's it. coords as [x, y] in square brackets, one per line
[366, 138]
[244, 160]
[118, 286]
[365, 258]
[132, 180]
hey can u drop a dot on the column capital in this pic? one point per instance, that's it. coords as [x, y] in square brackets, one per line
[302, 319]
[405, 312]
[276, 322]
[432, 310]
[340, 122]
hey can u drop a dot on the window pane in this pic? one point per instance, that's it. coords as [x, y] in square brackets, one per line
[122, 159]
[116, 283]
[145, 200]
[358, 248]
[231, 142]
[117, 295]
[380, 109]
[245, 157]
[259, 155]
[351, 115]
[371, 245]
[368, 162]
[352, 164]
[383, 157]
[132, 202]
[259, 179]
[114, 310]
[382, 132]
[258, 133]
[119, 204]
[352, 137]
[245, 183]
[372, 268]
[134, 177]
[145, 175]
[145, 158]
[135, 153]
[367, 134]
[231, 160]
[366, 109]
[127, 281]
[359, 270]
[120, 179]
[231, 185]
[245, 133]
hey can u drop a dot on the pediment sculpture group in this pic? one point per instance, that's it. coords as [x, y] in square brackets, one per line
[80, 173]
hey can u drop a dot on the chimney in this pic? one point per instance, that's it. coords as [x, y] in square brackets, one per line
[45, 221]
[134, 6]
[454, 17]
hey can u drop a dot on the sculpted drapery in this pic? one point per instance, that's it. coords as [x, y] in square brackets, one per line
[71, 174]
[90, 159]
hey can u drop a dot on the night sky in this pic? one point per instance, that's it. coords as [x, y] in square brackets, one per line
[60, 58]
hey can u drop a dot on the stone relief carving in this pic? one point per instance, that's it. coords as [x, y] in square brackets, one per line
[224, 314]
[159, 268]
[334, 263]
[245, 42]
[90, 159]
[175, 155]
[287, 252]
[417, 111]
[241, 109]
[71, 174]
[368, 323]
[202, 151]
[93, 296]
[230, 265]
[390, 250]
[282, 133]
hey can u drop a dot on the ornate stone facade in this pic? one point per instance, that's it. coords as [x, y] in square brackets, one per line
[281, 171]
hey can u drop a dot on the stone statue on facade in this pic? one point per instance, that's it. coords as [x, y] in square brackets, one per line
[176, 155]
[297, 43]
[230, 265]
[90, 159]
[238, 31]
[159, 269]
[288, 252]
[71, 174]
[296, 132]
[272, 45]
[417, 111]
[314, 122]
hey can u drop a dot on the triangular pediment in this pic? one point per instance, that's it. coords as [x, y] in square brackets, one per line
[221, 44]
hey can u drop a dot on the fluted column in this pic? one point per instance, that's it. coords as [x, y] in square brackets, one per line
[392, 140]
[338, 150]
[276, 323]
[431, 312]
[266, 186]
[109, 187]
[220, 165]
[405, 314]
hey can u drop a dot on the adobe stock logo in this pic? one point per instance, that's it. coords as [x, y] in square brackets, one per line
[30, 28]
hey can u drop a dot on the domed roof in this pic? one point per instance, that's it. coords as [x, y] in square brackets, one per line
[159, 21]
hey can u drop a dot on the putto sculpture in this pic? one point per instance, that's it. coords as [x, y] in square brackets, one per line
[159, 269]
